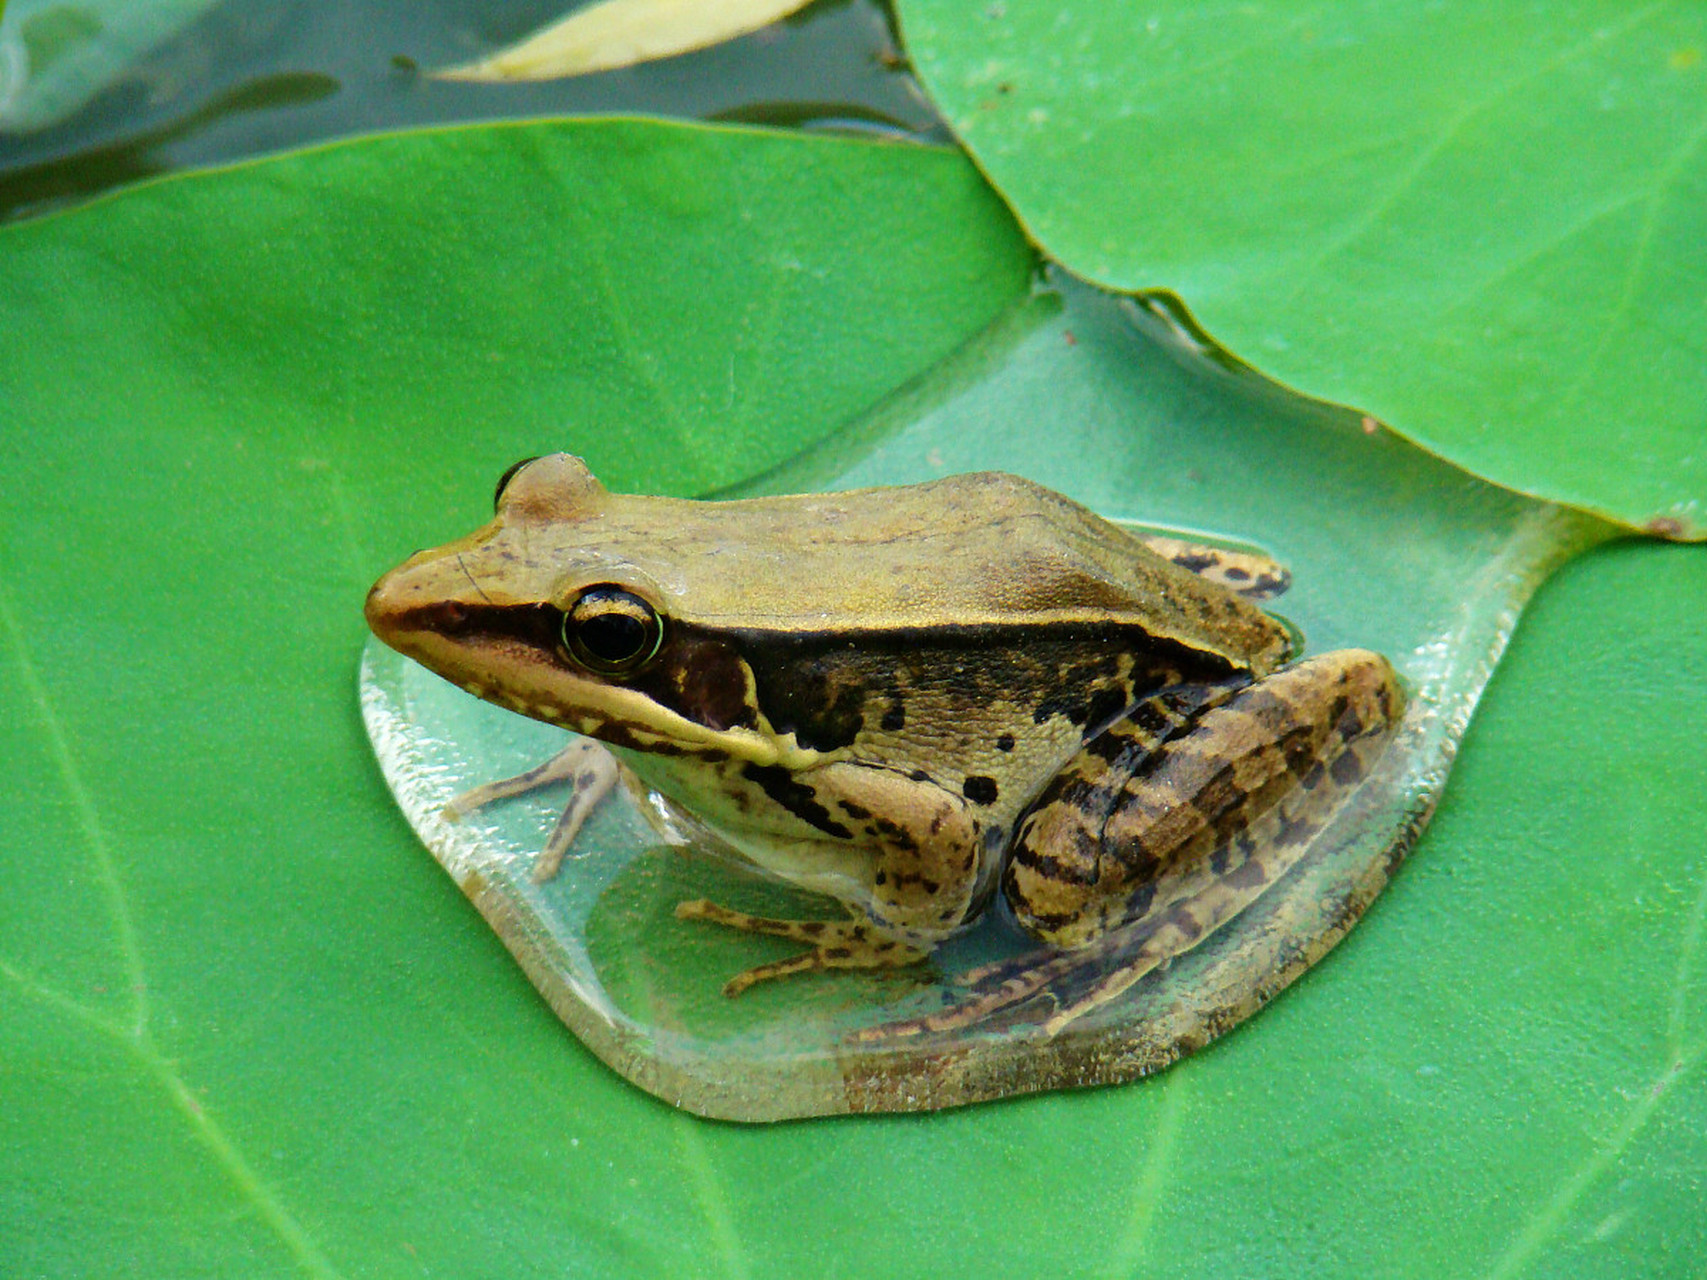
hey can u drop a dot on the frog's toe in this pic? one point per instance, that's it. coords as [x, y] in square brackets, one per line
[799, 930]
[835, 944]
[592, 770]
[582, 761]
[878, 953]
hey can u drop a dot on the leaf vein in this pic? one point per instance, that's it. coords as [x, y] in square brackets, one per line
[1545, 1224]
[83, 804]
[1617, 321]
[164, 1071]
[712, 1202]
[1440, 139]
[1152, 1176]
[1686, 954]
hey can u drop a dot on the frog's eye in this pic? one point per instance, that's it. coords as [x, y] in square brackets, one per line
[611, 630]
[504, 480]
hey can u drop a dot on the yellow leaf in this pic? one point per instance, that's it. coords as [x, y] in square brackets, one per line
[620, 33]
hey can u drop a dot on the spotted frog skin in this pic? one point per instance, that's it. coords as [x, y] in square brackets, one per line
[912, 700]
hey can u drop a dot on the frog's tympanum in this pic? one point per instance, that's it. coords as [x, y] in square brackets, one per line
[912, 700]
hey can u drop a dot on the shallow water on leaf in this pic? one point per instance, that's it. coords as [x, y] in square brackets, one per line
[1389, 549]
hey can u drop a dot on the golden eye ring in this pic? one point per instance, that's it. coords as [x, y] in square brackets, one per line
[610, 630]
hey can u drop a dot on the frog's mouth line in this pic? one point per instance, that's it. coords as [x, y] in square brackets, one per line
[511, 655]
[533, 625]
[481, 650]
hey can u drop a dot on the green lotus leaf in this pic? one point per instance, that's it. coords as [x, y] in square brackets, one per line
[249, 1028]
[1485, 225]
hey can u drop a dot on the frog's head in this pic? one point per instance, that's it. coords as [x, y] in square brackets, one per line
[544, 611]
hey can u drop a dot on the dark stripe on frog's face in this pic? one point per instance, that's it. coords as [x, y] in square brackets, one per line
[700, 678]
[823, 687]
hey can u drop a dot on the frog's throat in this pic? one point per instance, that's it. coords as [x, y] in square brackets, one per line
[662, 731]
[625, 717]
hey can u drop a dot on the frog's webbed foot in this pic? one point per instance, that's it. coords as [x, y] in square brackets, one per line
[985, 993]
[835, 944]
[592, 769]
[1051, 989]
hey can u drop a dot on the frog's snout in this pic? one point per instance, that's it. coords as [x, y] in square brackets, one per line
[381, 608]
[398, 602]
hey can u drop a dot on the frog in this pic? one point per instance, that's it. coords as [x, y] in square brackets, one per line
[925, 702]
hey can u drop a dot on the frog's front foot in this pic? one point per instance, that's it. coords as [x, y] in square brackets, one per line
[835, 944]
[592, 770]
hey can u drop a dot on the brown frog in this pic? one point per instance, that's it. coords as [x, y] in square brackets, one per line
[911, 700]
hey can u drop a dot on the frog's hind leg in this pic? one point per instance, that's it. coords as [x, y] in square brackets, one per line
[592, 769]
[1123, 834]
[835, 944]
[1206, 823]
[1137, 860]
[1244, 573]
[1128, 954]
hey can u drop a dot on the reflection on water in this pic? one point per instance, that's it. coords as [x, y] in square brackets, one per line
[253, 76]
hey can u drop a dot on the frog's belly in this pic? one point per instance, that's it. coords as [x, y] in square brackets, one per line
[718, 802]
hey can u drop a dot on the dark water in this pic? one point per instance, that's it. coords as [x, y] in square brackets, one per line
[256, 76]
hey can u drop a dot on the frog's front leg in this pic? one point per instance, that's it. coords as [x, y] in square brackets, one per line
[586, 764]
[1154, 846]
[925, 843]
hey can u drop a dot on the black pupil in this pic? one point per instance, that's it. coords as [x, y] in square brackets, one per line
[613, 637]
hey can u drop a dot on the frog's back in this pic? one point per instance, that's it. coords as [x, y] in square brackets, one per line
[983, 551]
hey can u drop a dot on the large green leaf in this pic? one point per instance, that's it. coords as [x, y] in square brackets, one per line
[247, 1026]
[518, 279]
[228, 403]
[1485, 224]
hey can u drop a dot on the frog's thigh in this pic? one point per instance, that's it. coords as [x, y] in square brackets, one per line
[1198, 828]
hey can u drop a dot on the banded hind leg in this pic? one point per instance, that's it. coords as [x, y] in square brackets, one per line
[1155, 838]
[1245, 573]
